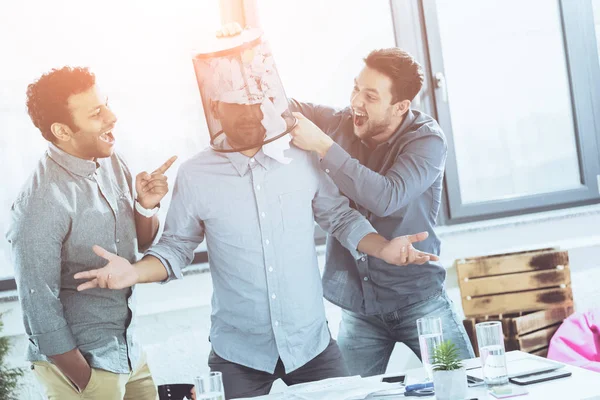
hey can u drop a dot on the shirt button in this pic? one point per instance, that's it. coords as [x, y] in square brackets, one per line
[257, 187]
[32, 291]
[118, 240]
[270, 269]
[366, 278]
[252, 159]
[327, 170]
[363, 259]
[263, 214]
[276, 323]
[273, 296]
[267, 241]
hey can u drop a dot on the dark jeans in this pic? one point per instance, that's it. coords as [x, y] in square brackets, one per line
[240, 381]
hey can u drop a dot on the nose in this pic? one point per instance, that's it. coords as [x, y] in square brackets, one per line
[356, 101]
[111, 118]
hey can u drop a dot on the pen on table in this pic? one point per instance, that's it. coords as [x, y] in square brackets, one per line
[418, 386]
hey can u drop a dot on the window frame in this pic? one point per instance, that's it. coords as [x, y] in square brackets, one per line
[583, 66]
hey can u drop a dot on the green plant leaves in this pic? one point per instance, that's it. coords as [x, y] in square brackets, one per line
[445, 357]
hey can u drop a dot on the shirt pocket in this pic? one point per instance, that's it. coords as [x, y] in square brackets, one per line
[296, 211]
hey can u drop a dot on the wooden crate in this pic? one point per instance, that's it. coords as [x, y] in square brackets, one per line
[527, 331]
[509, 283]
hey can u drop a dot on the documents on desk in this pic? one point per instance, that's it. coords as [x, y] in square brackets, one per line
[349, 388]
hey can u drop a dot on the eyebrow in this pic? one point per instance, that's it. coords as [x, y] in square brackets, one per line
[370, 90]
[92, 110]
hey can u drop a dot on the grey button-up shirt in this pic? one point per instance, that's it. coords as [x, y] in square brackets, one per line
[68, 205]
[258, 218]
[397, 186]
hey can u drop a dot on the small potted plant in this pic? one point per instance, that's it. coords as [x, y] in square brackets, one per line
[449, 375]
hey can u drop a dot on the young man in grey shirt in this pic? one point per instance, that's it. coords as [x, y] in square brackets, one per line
[81, 193]
[388, 159]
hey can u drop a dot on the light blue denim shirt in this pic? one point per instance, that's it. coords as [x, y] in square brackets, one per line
[67, 206]
[258, 218]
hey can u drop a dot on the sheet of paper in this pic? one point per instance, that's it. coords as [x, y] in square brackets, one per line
[350, 388]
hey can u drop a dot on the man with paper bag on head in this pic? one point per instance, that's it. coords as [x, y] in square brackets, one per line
[255, 200]
[244, 99]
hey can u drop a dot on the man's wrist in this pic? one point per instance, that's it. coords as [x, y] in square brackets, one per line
[382, 243]
[146, 210]
[138, 273]
[324, 146]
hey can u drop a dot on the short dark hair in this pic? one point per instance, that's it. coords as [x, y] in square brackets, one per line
[47, 97]
[404, 71]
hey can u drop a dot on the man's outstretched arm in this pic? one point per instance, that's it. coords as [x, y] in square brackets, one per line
[120, 273]
[165, 260]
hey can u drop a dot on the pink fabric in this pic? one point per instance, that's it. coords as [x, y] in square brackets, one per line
[577, 341]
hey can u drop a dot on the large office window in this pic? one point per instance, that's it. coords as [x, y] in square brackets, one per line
[596, 6]
[516, 89]
[141, 53]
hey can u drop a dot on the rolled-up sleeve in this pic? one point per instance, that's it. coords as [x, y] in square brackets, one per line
[36, 233]
[184, 231]
[333, 213]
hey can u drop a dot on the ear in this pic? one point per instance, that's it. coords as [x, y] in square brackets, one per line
[401, 107]
[61, 131]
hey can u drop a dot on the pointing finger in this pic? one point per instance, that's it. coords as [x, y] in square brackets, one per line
[163, 168]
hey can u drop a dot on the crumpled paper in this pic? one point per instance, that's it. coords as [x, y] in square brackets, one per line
[251, 78]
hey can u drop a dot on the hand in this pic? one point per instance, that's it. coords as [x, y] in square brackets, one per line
[117, 274]
[193, 393]
[87, 376]
[151, 188]
[230, 29]
[400, 251]
[308, 136]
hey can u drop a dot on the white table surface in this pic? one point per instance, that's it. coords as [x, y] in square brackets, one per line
[581, 385]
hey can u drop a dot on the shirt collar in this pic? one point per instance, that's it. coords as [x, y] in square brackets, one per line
[408, 121]
[243, 163]
[76, 165]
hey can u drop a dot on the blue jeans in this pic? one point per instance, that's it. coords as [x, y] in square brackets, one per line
[367, 341]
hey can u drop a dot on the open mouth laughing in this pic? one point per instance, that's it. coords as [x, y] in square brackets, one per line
[360, 118]
[107, 137]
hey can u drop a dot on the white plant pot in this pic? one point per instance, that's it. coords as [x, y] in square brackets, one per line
[450, 385]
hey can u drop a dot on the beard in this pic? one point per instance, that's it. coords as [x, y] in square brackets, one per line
[247, 136]
[373, 128]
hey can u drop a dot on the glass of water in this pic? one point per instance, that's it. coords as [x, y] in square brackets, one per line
[490, 340]
[430, 336]
[209, 386]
